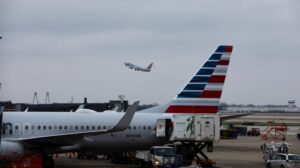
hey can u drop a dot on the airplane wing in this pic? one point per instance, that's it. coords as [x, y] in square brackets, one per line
[70, 138]
[135, 67]
[130, 65]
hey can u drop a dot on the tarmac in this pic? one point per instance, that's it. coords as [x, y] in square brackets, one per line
[243, 152]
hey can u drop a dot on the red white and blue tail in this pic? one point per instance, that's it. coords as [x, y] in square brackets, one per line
[203, 92]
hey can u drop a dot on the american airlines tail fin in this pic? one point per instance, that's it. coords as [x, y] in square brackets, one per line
[203, 91]
[149, 67]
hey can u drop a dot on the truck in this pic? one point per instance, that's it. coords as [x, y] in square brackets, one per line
[190, 127]
[191, 133]
[159, 156]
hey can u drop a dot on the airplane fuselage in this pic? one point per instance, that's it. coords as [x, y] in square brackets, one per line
[140, 135]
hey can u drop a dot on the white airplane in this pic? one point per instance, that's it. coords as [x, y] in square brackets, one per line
[138, 68]
[45, 133]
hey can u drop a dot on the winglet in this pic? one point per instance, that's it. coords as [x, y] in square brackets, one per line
[125, 121]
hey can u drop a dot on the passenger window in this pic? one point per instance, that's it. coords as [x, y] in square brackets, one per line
[149, 127]
[60, 127]
[76, 127]
[39, 127]
[93, 127]
[44, 127]
[49, 127]
[134, 127]
[129, 128]
[26, 127]
[104, 127]
[144, 127]
[16, 130]
[65, 127]
[82, 127]
[87, 127]
[99, 127]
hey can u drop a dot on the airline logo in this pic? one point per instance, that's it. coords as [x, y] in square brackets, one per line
[203, 92]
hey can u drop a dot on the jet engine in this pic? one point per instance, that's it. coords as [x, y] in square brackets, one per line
[11, 149]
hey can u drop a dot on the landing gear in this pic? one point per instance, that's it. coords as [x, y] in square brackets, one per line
[122, 157]
[48, 161]
[191, 152]
[119, 157]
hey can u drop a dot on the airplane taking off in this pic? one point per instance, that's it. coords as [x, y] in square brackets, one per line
[138, 68]
[46, 133]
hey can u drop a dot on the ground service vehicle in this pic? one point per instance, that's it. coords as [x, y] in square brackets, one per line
[159, 156]
[270, 148]
[283, 160]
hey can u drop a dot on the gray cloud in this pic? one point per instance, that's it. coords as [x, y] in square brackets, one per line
[77, 48]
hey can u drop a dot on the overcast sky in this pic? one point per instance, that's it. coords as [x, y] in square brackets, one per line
[77, 48]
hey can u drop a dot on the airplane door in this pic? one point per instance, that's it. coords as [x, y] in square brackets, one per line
[161, 128]
[7, 129]
[164, 128]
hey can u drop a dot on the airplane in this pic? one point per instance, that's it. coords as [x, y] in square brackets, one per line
[26, 133]
[46, 133]
[138, 68]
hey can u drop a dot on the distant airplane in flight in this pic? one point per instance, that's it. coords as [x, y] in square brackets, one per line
[138, 68]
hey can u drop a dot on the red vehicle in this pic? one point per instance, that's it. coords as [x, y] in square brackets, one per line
[254, 132]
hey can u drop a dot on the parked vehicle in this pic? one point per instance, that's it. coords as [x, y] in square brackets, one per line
[283, 160]
[241, 131]
[254, 132]
[228, 134]
[270, 148]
